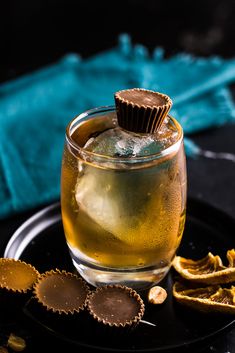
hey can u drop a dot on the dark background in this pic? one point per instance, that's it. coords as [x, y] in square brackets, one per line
[35, 33]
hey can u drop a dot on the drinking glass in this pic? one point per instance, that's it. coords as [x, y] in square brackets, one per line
[123, 217]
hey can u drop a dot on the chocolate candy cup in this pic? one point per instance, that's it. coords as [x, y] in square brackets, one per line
[61, 292]
[116, 305]
[16, 275]
[140, 110]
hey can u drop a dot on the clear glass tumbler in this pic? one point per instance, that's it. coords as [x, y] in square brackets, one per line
[123, 218]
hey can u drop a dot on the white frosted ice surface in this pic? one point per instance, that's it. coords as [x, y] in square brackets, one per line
[117, 142]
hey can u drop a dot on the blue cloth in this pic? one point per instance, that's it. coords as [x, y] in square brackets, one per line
[35, 109]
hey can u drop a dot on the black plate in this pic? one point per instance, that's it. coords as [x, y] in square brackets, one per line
[40, 241]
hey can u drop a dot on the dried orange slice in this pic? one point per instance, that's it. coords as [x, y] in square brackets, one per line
[208, 299]
[231, 257]
[209, 270]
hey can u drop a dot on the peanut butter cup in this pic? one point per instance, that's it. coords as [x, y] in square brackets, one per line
[16, 275]
[116, 305]
[140, 110]
[61, 292]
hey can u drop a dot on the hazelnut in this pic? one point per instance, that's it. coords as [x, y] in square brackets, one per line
[157, 295]
[16, 343]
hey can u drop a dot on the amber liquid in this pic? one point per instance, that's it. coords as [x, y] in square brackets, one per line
[124, 218]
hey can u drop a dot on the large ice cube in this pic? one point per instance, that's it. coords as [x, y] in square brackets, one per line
[121, 201]
[117, 142]
[96, 196]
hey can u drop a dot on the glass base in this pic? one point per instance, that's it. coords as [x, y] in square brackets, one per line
[135, 278]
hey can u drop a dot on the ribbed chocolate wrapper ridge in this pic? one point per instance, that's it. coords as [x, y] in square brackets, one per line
[141, 110]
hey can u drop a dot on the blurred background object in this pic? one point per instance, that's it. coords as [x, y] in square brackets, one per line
[36, 33]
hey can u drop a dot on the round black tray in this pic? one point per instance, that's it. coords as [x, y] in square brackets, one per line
[41, 242]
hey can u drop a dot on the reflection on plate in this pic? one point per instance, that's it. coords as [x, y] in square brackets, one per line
[41, 242]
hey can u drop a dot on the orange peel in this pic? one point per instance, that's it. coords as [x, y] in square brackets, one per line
[207, 299]
[208, 270]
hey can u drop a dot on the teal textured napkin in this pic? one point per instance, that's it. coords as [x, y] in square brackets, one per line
[35, 109]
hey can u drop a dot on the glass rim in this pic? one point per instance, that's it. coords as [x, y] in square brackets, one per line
[73, 125]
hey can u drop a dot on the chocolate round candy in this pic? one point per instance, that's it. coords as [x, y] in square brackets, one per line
[140, 110]
[116, 305]
[17, 275]
[61, 292]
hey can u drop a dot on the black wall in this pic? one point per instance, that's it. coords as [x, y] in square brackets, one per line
[37, 32]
